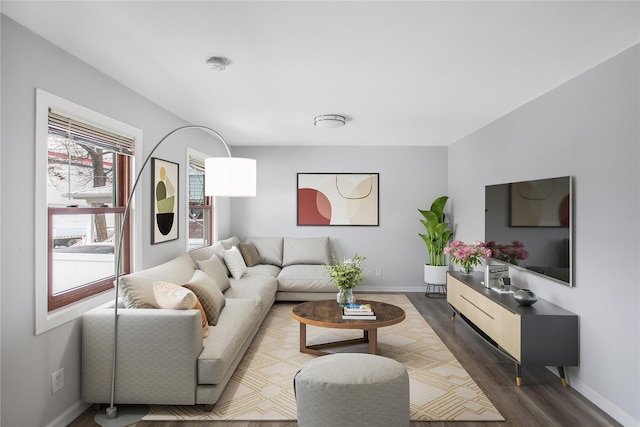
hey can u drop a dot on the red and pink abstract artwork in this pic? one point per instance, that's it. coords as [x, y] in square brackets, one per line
[338, 199]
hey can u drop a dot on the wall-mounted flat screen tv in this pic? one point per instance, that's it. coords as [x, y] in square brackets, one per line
[529, 224]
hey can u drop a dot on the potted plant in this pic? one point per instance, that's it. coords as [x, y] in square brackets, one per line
[346, 275]
[436, 238]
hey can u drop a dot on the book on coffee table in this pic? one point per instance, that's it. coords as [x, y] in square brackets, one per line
[359, 316]
[358, 308]
[358, 311]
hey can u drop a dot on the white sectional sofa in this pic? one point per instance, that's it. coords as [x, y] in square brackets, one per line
[163, 356]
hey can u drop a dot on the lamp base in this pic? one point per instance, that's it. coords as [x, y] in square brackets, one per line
[121, 416]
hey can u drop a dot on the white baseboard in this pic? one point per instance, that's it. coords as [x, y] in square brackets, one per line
[69, 415]
[384, 289]
[603, 403]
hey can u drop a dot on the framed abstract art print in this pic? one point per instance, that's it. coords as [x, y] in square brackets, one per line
[338, 199]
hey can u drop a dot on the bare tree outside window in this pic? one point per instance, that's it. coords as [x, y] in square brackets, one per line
[83, 217]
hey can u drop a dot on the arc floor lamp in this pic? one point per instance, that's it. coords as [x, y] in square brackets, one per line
[224, 177]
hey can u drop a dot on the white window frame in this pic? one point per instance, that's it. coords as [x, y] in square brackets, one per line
[214, 213]
[46, 320]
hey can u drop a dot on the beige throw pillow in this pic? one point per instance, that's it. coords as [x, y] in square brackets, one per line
[136, 289]
[215, 268]
[249, 253]
[208, 294]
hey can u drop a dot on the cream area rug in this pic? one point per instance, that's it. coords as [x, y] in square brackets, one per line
[261, 388]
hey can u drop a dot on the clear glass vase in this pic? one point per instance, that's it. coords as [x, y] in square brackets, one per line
[345, 296]
[466, 269]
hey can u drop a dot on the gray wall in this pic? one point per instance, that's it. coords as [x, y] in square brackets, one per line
[27, 361]
[410, 178]
[591, 123]
[587, 128]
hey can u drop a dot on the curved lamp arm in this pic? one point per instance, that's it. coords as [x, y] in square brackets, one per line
[112, 411]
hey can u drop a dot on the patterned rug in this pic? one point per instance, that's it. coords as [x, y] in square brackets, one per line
[261, 388]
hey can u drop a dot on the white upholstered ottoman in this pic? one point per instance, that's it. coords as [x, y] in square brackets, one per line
[352, 389]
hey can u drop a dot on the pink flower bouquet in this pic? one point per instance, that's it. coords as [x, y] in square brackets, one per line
[512, 253]
[467, 256]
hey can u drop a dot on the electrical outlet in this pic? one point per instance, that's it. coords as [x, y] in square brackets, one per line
[57, 380]
[378, 271]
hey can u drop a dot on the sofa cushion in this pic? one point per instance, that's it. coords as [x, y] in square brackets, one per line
[263, 270]
[262, 288]
[235, 326]
[206, 252]
[305, 250]
[215, 268]
[305, 278]
[269, 249]
[230, 242]
[249, 253]
[208, 294]
[235, 262]
[174, 297]
[136, 289]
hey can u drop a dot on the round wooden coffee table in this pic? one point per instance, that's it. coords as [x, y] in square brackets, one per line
[327, 314]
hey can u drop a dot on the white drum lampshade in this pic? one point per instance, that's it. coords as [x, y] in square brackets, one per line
[230, 177]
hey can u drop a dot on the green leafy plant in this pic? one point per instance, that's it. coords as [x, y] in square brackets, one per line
[438, 232]
[347, 273]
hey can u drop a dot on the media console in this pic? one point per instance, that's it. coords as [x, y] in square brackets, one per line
[541, 334]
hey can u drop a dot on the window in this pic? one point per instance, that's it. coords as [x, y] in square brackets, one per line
[200, 206]
[87, 191]
[84, 165]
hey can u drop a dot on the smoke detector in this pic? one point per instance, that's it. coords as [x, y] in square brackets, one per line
[329, 121]
[216, 63]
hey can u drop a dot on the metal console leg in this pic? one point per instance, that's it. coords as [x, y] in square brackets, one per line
[563, 379]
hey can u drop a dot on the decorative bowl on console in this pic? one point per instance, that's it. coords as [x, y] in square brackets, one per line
[525, 297]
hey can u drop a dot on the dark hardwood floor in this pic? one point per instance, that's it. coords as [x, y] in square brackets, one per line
[540, 401]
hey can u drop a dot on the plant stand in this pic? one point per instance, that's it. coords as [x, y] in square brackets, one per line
[436, 291]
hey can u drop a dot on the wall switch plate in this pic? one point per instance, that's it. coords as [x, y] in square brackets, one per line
[57, 380]
[378, 271]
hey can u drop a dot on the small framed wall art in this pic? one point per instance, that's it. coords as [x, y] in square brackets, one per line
[165, 201]
[338, 199]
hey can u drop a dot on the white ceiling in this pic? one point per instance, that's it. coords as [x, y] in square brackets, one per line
[403, 73]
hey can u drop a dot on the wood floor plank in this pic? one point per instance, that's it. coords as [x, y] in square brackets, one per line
[540, 402]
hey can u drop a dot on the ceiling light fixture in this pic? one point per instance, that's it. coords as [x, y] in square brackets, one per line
[329, 121]
[216, 63]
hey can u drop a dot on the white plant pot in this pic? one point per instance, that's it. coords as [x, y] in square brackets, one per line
[435, 274]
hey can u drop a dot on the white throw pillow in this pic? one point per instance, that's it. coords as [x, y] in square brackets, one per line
[235, 262]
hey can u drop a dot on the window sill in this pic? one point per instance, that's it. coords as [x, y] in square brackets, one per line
[45, 321]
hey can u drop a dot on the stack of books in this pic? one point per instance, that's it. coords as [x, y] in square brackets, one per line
[358, 311]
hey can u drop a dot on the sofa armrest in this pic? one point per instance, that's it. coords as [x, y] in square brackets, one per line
[156, 361]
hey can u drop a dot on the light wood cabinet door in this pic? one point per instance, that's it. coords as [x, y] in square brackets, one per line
[498, 323]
